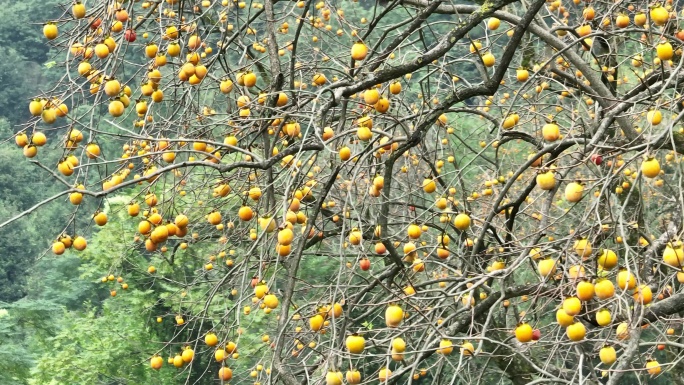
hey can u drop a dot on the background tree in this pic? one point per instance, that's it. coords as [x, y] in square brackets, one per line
[403, 191]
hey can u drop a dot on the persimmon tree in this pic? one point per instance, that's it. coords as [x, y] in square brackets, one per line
[400, 191]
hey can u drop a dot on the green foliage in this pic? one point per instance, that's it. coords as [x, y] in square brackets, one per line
[16, 91]
[22, 186]
[93, 345]
[15, 359]
[19, 27]
[22, 74]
